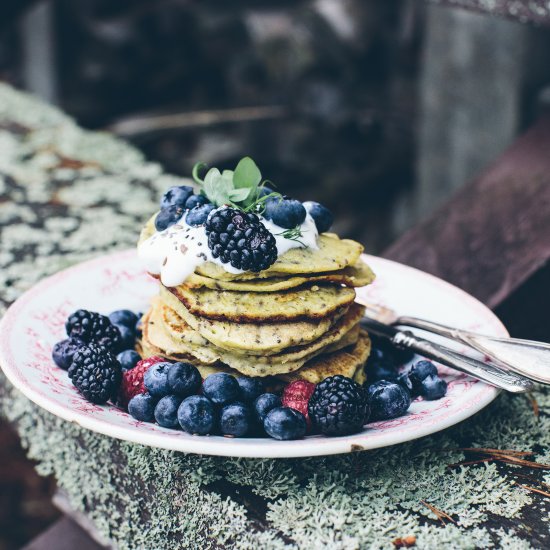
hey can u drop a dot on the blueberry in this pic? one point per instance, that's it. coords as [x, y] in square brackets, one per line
[387, 400]
[199, 215]
[236, 419]
[176, 196]
[285, 423]
[128, 359]
[221, 388]
[419, 372]
[391, 352]
[287, 213]
[251, 388]
[433, 387]
[63, 351]
[196, 200]
[197, 415]
[155, 379]
[166, 411]
[142, 407]
[128, 337]
[184, 379]
[264, 403]
[380, 367]
[168, 216]
[321, 215]
[123, 317]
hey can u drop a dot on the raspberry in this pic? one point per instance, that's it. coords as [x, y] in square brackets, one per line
[296, 396]
[132, 380]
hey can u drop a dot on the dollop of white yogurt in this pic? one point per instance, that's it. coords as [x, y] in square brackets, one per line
[176, 252]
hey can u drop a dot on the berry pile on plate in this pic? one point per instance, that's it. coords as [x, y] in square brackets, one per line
[101, 362]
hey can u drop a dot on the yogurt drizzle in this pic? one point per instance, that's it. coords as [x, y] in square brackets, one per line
[176, 252]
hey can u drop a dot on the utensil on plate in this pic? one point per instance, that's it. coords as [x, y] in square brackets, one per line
[490, 373]
[524, 357]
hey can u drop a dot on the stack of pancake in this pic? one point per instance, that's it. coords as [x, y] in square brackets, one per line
[295, 320]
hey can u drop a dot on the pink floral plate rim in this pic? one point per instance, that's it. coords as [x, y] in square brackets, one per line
[34, 323]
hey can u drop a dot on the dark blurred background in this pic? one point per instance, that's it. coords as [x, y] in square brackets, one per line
[380, 109]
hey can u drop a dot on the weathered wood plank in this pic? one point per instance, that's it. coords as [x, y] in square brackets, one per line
[494, 236]
[471, 88]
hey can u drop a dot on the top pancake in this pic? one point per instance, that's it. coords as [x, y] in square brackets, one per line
[356, 275]
[333, 254]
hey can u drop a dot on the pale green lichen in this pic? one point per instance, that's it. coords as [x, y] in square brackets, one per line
[151, 498]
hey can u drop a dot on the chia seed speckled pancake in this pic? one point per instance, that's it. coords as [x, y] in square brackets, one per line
[346, 362]
[156, 334]
[356, 275]
[272, 383]
[307, 303]
[333, 254]
[146, 350]
[251, 338]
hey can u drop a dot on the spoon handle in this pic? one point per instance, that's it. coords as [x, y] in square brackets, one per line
[525, 357]
[486, 372]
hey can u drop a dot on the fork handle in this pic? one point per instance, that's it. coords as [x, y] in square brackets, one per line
[486, 372]
[525, 357]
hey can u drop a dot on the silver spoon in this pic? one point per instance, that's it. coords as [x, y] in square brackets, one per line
[528, 358]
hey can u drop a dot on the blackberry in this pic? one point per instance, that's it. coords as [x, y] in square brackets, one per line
[96, 373]
[240, 239]
[338, 406]
[90, 326]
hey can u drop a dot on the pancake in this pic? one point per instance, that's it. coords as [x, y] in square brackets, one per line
[178, 331]
[333, 254]
[345, 362]
[158, 336]
[272, 383]
[356, 275]
[254, 339]
[313, 302]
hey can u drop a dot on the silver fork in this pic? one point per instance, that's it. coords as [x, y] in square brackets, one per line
[524, 357]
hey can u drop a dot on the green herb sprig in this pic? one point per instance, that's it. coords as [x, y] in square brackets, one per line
[240, 188]
[293, 234]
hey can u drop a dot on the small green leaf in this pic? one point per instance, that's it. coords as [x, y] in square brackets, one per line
[217, 187]
[199, 166]
[240, 195]
[247, 174]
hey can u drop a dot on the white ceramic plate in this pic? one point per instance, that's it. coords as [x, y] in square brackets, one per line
[35, 322]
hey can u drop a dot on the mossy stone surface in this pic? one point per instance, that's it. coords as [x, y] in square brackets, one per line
[68, 195]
